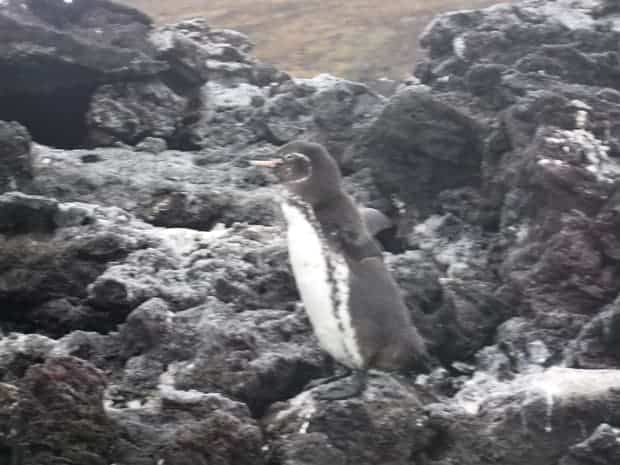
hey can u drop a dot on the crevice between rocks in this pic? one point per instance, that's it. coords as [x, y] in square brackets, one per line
[56, 119]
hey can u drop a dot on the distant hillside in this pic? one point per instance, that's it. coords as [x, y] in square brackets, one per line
[359, 39]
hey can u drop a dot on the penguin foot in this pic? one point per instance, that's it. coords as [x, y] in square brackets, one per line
[330, 379]
[340, 391]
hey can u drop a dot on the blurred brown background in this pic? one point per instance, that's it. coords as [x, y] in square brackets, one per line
[357, 39]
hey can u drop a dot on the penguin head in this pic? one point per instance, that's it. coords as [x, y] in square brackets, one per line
[307, 170]
[295, 168]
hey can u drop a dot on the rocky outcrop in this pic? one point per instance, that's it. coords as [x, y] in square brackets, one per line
[72, 44]
[597, 343]
[390, 420]
[170, 188]
[16, 163]
[60, 414]
[55, 54]
[187, 427]
[534, 419]
[131, 112]
[417, 133]
[149, 314]
[602, 447]
[277, 111]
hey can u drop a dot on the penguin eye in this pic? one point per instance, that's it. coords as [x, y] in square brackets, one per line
[294, 156]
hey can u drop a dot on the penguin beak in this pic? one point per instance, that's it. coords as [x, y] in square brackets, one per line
[266, 163]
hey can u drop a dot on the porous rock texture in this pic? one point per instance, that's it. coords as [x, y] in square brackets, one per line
[148, 311]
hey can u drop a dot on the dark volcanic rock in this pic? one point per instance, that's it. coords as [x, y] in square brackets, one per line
[129, 112]
[259, 357]
[44, 260]
[54, 54]
[62, 401]
[133, 82]
[558, 265]
[387, 425]
[244, 111]
[602, 447]
[598, 343]
[167, 270]
[15, 158]
[93, 40]
[554, 38]
[9, 396]
[307, 449]
[225, 44]
[152, 145]
[454, 299]
[46, 272]
[183, 428]
[19, 352]
[60, 415]
[419, 135]
[188, 60]
[93, 265]
[171, 189]
[534, 419]
[550, 169]
[21, 213]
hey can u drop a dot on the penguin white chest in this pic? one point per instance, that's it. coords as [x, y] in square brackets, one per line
[322, 278]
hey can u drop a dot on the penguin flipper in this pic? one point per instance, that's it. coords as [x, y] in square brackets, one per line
[375, 221]
[358, 247]
[354, 238]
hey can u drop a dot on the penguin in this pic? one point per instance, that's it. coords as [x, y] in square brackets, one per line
[354, 305]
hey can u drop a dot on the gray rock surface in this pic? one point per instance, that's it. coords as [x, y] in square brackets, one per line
[152, 145]
[533, 419]
[390, 421]
[130, 112]
[171, 188]
[72, 44]
[148, 312]
[601, 447]
[417, 133]
[238, 112]
[16, 162]
[48, 392]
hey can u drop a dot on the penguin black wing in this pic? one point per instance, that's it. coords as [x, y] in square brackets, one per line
[347, 229]
[355, 245]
